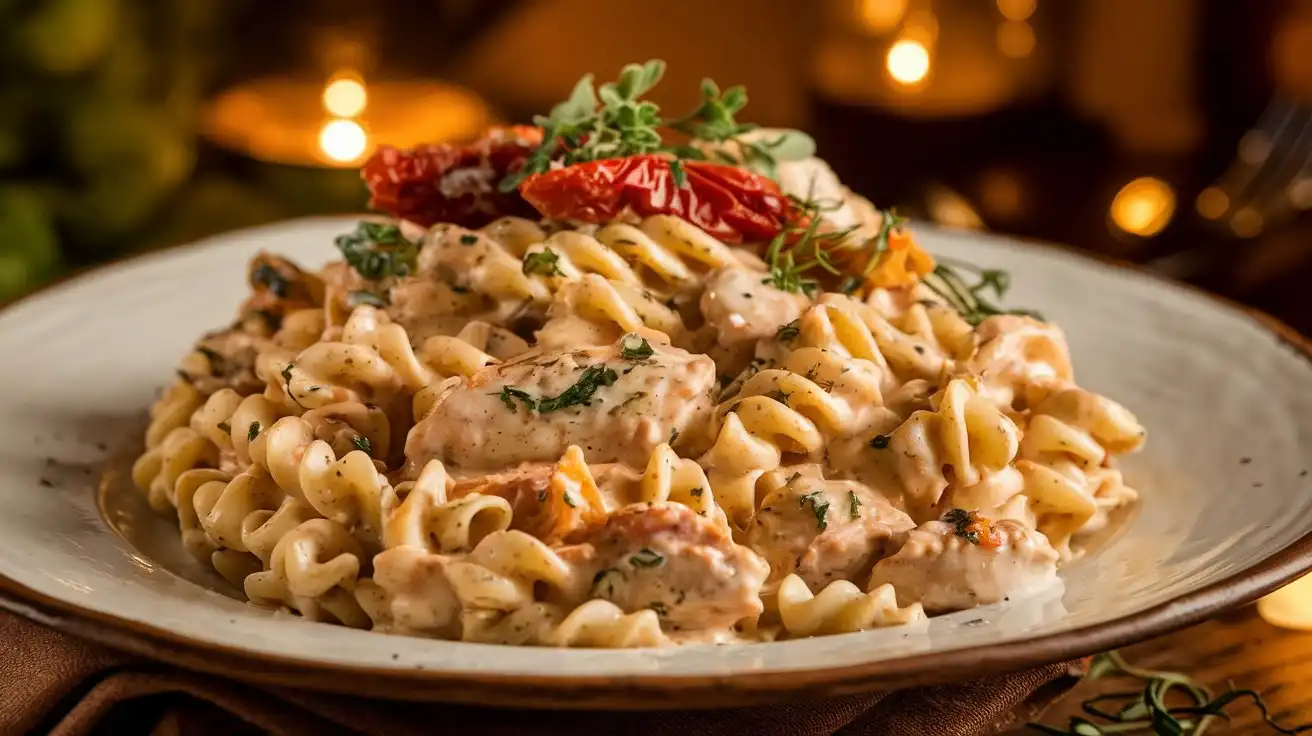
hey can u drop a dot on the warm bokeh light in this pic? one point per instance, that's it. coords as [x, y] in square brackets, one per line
[345, 97]
[1290, 607]
[1254, 147]
[1212, 203]
[1016, 39]
[950, 209]
[343, 140]
[1143, 207]
[1017, 9]
[880, 16]
[908, 61]
[1300, 193]
[1247, 222]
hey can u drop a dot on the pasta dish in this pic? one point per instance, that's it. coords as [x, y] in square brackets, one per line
[623, 380]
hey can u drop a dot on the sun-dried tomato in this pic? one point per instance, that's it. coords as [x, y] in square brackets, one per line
[451, 183]
[729, 202]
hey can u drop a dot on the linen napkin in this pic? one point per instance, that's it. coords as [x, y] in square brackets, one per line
[52, 683]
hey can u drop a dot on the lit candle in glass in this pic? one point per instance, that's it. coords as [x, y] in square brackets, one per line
[338, 123]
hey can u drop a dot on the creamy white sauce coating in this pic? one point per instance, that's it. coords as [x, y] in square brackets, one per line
[644, 442]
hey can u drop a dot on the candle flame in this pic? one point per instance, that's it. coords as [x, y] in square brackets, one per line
[343, 140]
[908, 61]
[345, 97]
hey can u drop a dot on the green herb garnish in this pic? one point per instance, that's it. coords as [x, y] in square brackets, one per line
[659, 608]
[818, 507]
[879, 441]
[468, 239]
[378, 251]
[789, 332]
[613, 121]
[853, 505]
[269, 277]
[363, 444]
[810, 248]
[253, 432]
[674, 436]
[646, 557]
[287, 382]
[544, 263]
[569, 500]
[972, 301]
[635, 347]
[356, 298]
[1147, 711]
[961, 520]
[696, 493]
[581, 392]
[509, 393]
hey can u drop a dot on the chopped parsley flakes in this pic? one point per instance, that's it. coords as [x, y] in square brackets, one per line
[853, 505]
[378, 251]
[363, 444]
[819, 507]
[635, 347]
[646, 557]
[543, 263]
[253, 432]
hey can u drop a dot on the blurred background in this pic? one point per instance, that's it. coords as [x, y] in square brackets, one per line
[1173, 133]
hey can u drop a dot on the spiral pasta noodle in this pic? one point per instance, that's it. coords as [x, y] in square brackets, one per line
[628, 434]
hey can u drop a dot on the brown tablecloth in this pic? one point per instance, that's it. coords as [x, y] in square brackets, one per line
[53, 683]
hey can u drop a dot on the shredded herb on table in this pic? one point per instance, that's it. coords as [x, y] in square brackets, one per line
[1148, 710]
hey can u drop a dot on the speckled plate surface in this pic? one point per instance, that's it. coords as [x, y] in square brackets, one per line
[1226, 513]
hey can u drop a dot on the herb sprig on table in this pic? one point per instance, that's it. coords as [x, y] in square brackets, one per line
[1149, 710]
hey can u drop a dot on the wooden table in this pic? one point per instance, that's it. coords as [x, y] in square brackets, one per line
[1238, 647]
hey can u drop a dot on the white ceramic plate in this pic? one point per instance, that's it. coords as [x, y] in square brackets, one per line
[1226, 513]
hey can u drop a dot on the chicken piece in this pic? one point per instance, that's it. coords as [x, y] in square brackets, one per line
[617, 403]
[742, 309]
[666, 558]
[226, 359]
[823, 530]
[953, 566]
[279, 287]
[531, 492]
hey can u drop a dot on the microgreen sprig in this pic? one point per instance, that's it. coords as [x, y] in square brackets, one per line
[613, 121]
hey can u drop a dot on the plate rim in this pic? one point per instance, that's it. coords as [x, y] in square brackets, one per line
[654, 691]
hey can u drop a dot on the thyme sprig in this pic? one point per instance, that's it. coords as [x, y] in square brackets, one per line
[972, 300]
[810, 248]
[613, 121]
[1148, 710]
